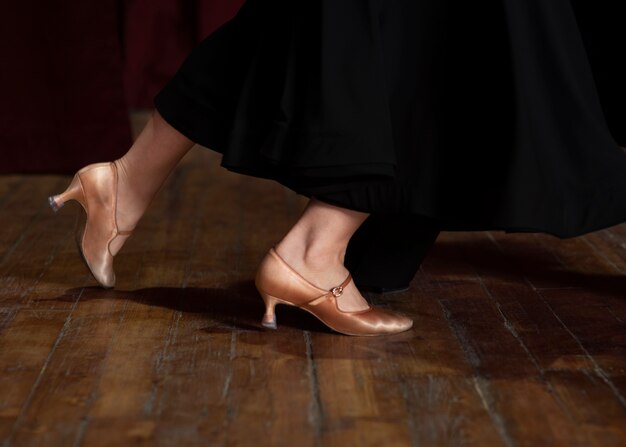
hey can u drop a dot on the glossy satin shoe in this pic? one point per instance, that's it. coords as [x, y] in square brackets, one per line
[278, 283]
[95, 188]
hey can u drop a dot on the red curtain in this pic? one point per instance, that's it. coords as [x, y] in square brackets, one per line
[157, 36]
[72, 68]
[62, 102]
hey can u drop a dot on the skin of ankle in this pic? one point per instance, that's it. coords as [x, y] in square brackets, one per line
[305, 246]
[315, 247]
[142, 171]
[130, 207]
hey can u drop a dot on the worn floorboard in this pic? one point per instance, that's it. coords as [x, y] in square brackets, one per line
[519, 339]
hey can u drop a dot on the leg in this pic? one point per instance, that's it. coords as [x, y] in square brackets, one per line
[386, 251]
[144, 168]
[316, 245]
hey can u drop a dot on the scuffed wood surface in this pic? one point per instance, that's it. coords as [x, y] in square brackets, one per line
[519, 339]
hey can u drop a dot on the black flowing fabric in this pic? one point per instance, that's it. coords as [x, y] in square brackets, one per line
[483, 116]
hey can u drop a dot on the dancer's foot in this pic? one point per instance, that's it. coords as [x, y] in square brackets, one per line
[279, 283]
[99, 238]
[306, 269]
[315, 247]
[115, 195]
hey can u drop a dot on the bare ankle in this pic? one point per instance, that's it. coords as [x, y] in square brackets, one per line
[319, 258]
[317, 243]
[315, 255]
[130, 208]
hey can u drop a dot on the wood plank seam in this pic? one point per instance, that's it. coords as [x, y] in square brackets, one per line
[316, 409]
[481, 386]
[603, 375]
[597, 368]
[508, 325]
[84, 426]
[18, 423]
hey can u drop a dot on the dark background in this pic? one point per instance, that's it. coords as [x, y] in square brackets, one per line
[72, 70]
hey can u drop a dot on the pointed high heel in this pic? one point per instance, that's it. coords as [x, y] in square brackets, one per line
[278, 283]
[95, 188]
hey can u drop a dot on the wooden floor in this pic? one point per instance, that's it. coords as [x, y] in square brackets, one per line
[519, 340]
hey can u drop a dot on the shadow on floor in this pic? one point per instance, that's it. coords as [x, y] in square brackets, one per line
[237, 307]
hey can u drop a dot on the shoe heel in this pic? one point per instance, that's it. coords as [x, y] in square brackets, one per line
[73, 192]
[269, 319]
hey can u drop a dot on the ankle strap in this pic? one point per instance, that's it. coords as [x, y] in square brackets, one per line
[335, 292]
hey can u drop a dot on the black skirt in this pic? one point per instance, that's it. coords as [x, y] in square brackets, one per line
[481, 115]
